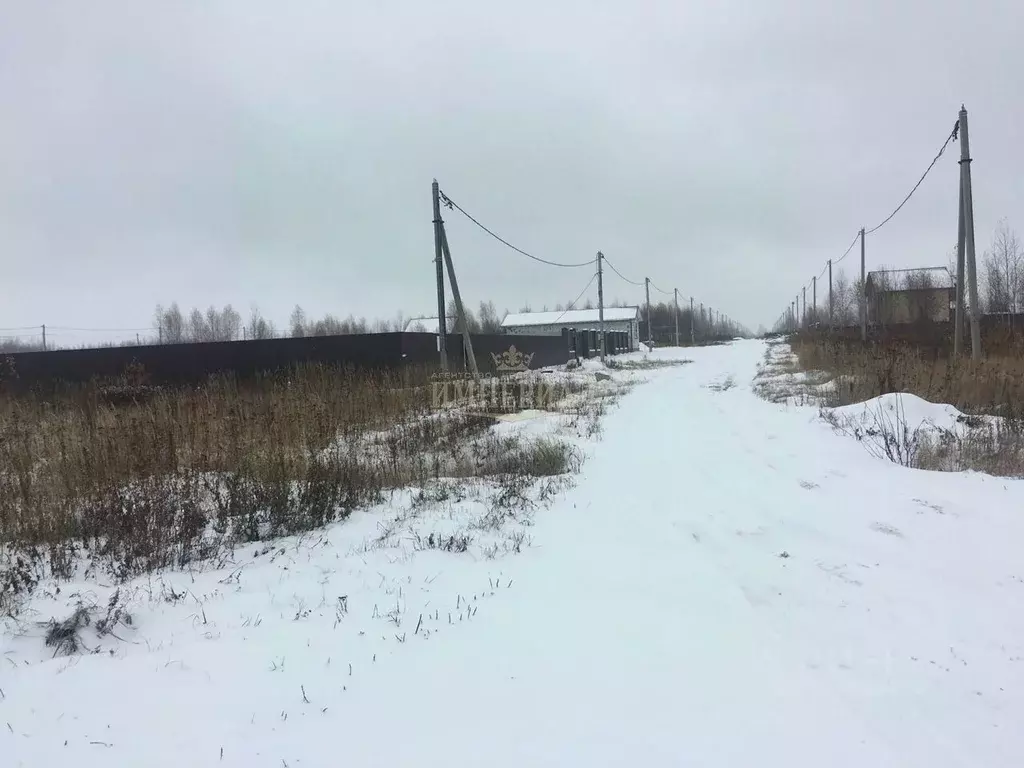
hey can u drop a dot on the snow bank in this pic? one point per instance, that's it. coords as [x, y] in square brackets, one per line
[903, 410]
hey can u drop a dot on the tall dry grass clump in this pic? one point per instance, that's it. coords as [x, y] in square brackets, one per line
[991, 386]
[129, 478]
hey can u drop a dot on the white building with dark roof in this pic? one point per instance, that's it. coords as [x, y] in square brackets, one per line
[626, 319]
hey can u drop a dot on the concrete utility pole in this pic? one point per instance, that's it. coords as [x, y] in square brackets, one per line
[467, 340]
[814, 294]
[442, 326]
[968, 214]
[44, 337]
[863, 292]
[958, 331]
[675, 292]
[647, 285]
[830, 294]
[600, 302]
[803, 317]
[693, 338]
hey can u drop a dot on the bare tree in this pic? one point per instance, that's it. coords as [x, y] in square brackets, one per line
[843, 301]
[471, 321]
[223, 325]
[214, 325]
[258, 326]
[170, 324]
[489, 320]
[298, 322]
[14, 344]
[1004, 271]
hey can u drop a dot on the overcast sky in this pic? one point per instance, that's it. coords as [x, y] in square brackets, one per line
[277, 153]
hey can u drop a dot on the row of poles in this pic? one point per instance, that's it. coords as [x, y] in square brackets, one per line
[966, 264]
[443, 263]
[716, 318]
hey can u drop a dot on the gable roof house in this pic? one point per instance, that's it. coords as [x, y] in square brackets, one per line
[626, 319]
[901, 296]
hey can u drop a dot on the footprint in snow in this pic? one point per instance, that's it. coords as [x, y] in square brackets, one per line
[887, 529]
[933, 507]
[808, 485]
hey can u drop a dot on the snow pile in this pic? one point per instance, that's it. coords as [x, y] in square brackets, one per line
[903, 410]
[914, 432]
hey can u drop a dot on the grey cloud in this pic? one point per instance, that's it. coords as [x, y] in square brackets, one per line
[252, 152]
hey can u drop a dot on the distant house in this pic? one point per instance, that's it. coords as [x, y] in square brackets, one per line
[625, 319]
[899, 296]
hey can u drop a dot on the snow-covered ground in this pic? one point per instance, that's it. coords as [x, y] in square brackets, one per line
[729, 582]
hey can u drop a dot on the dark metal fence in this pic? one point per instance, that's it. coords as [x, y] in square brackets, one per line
[178, 364]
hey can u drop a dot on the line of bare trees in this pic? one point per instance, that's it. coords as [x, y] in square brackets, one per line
[1003, 272]
[706, 324]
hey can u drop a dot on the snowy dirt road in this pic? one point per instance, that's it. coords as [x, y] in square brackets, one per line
[730, 583]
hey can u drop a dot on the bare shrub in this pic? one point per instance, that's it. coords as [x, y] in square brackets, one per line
[63, 635]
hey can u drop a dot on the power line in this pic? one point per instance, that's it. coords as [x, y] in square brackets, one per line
[451, 204]
[855, 238]
[573, 304]
[631, 282]
[100, 330]
[667, 293]
[949, 138]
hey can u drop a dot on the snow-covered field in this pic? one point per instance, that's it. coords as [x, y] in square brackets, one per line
[726, 582]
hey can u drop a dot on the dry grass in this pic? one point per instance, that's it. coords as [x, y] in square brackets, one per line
[646, 364]
[131, 479]
[993, 386]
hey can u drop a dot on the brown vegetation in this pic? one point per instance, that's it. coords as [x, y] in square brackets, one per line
[128, 479]
[991, 387]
